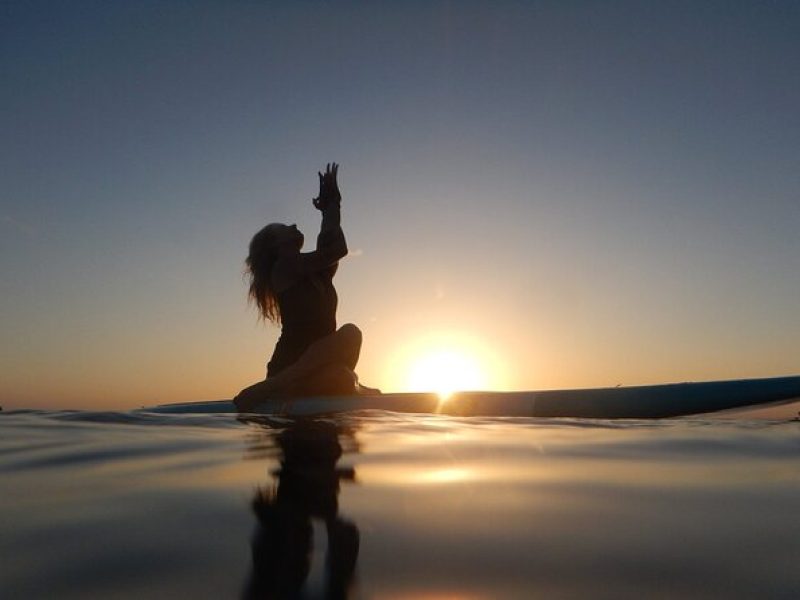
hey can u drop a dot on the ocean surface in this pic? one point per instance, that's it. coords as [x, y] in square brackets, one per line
[380, 505]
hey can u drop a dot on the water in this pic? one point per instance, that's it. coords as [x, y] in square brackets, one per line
[377, 505]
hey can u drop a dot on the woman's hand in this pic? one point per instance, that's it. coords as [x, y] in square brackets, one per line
[328, 188]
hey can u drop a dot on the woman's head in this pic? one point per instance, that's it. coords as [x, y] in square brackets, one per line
[266, 247]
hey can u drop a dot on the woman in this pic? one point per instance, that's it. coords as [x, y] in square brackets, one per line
[295, 289]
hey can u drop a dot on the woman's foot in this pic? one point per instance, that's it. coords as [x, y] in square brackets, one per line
[366, 390]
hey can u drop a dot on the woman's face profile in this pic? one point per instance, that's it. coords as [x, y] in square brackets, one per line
[286, 235]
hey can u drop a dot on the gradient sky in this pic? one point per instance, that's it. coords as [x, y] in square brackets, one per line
[591, 193]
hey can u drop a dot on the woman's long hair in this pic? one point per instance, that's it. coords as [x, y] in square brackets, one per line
[260, 260]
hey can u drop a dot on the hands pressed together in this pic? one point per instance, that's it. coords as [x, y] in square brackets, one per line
[329, 194]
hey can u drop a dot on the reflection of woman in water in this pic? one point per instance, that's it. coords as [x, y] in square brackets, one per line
[295, 289]
[307, 488]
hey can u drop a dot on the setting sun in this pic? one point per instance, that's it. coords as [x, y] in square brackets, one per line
[446, 363]
[445, 371]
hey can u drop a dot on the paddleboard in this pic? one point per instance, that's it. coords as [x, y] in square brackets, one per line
[639, 402]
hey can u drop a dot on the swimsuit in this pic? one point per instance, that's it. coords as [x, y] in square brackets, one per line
[308, 313]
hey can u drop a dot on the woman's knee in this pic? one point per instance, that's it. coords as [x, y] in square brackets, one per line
[350, 335]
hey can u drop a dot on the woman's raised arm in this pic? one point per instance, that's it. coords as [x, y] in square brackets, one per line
[330, 241]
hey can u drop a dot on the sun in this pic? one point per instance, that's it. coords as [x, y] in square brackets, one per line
[445, 363]
[445, 371]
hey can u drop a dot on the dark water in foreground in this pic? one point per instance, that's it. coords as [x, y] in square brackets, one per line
[137, 505]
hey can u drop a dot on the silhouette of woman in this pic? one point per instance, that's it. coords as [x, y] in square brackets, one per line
[295, 289]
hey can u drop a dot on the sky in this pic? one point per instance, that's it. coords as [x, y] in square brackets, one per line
[571, 194]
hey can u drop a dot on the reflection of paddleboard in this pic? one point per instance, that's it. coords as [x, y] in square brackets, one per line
[642, 402]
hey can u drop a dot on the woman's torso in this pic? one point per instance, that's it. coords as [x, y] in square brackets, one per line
[308, 313]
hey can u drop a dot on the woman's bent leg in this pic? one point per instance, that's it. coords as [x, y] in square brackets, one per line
[339, 349]
[351, 339]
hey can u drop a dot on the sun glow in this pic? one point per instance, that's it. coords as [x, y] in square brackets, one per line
[445, 371]
[445, 363]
